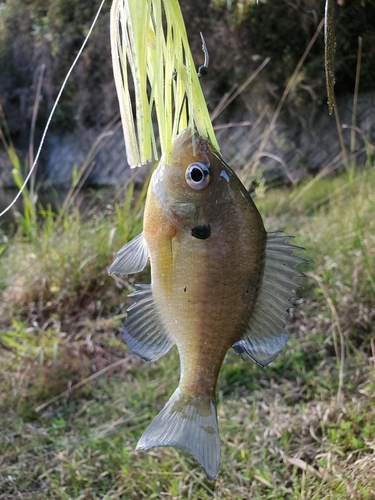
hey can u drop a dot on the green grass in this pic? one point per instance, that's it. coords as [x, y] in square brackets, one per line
[302, 428]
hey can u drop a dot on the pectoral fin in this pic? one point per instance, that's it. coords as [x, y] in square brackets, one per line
[265, 335]
[132, 258]
[144, 331]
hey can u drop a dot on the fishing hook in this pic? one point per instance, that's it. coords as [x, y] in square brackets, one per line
[202, 70]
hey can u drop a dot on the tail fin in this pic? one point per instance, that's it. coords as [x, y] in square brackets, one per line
[190, 424]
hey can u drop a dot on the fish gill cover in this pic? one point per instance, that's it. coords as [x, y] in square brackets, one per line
[149, 45]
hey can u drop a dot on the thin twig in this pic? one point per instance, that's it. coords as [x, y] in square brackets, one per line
[339, 131]
[282, 163]
[33, 124]
[355, 98]
[244, 151]
[285, 95]
[233, 125]
[330, 45]
[372, 344]
[230, 97]
[84, 171]
[80, 384]
[332, 165]
[340, 354]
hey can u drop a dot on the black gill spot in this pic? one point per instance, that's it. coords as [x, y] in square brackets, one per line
[201, 232]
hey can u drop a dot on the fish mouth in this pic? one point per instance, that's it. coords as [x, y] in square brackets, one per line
[202, 232]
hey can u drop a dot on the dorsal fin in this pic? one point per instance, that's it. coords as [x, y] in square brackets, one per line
[265, 335]
[144, 331]
[132, 258]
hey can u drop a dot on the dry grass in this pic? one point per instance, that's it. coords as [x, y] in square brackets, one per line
[302, 428]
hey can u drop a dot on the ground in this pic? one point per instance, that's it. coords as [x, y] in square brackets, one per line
[74, 401]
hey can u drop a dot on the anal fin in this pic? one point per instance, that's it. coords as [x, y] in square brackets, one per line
[144, 331]
[132, 258]
[265, 335]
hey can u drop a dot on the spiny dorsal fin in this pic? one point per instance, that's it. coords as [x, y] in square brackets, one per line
[132, 258]
[144, 331]
[265, 335]
[188, 423]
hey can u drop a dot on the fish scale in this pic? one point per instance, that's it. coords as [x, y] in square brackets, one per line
[218, 280]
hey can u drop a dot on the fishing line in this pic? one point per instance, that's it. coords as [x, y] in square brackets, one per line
[53, 111]
[202, 71]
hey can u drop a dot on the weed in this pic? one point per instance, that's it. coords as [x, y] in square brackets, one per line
[75, 401]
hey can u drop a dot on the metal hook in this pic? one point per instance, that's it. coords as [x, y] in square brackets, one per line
[203, 70]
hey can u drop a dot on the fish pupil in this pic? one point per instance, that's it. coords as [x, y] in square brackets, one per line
[196, 174]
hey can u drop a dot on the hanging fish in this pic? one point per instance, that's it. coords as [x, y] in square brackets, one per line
[218, 280]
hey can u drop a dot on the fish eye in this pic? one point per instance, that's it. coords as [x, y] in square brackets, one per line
[197, 175]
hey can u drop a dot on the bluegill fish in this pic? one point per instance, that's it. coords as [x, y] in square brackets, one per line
[218, 280]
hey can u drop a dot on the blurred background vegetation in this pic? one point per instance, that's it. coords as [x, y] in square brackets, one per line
[73, 400]
[240, 33]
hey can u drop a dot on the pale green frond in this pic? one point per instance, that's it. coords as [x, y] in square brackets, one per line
[152, 59]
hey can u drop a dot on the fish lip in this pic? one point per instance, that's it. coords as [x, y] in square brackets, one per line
[201, 232]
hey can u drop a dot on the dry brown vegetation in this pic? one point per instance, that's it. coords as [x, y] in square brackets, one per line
[74, 401]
